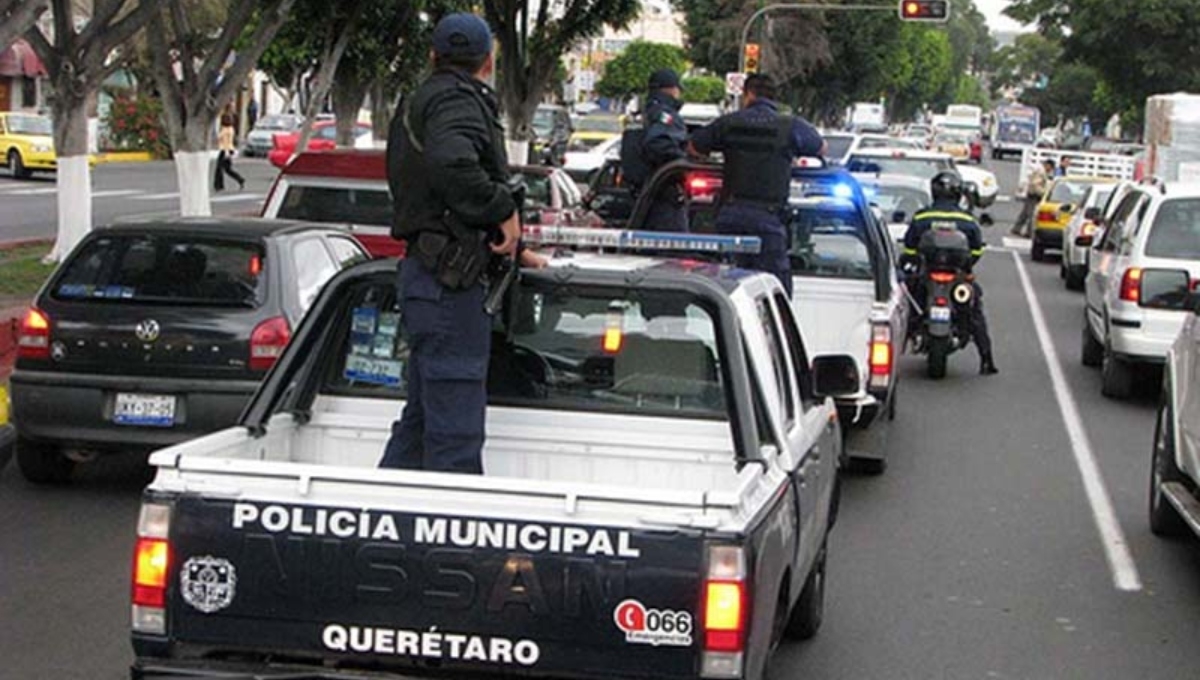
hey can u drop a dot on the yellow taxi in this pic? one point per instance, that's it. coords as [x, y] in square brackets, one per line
[956, 144]
[586, 140]
[1055, 211]
[26, 143]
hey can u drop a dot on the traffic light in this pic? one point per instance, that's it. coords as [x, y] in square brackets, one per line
[751, 58]
[924, 10]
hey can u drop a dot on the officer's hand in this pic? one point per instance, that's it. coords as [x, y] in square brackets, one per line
[532, 260]
[510, 232]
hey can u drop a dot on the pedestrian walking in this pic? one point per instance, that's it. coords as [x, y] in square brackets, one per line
[1035, 189]
[225, 152]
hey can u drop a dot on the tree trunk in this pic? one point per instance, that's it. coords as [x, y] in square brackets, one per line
[348, 95]
[334, 49]
[383, 107]
[73, 176]
[24, 13]
[194, 165]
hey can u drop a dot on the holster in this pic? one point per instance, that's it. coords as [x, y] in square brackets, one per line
[457, 255]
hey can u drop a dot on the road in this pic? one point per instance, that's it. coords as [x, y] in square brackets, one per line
[976, 555]
[122, 190]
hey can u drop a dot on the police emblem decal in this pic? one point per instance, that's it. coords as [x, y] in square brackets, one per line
[208, 583]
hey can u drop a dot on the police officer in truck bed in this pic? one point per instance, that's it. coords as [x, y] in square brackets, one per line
[447, 171]
[759, 146]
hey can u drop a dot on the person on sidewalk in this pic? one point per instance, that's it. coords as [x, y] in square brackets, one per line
[1035, 189]
[225, 155]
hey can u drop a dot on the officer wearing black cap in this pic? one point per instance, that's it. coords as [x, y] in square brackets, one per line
[759, 146]
[665, 140]
[448, 175]
[945, 212]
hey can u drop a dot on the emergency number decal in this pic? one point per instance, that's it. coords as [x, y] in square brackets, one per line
[653, 626]
[208, 583]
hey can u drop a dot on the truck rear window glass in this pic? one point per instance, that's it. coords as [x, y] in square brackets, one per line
[339, 205]
[601, 349]
[829, 241]
[1176, 231]
[168, 269]
[924, 168]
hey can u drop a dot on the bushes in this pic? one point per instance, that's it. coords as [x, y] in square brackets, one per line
[135, 124]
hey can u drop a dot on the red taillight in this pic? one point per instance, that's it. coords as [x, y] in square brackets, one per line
[1089, 229]
[942, 277]
[1131, 285]
[1046, 216]
[267, 343]
[881, 356]
[33, 341]
[699, 185]
[941, 302]
[151, 560]
[724, 615]
[255, 265]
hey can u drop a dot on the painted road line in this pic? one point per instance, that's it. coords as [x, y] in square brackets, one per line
[237, 197]
[1004, 199]
[1116, 548]
[157, 197]
[1017, 244]
[114, 193]
[34, 192]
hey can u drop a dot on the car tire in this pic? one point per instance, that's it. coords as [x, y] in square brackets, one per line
[939, 355]
[1092, 352]
[16, 165]
[869, 466]
[805, 619]
[1037, 251]
[43, 463]
[1116, 375]
[1074, 279]
[1062, 267]
[1165, 520]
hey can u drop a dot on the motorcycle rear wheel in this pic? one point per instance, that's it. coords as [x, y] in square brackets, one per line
[939, 355]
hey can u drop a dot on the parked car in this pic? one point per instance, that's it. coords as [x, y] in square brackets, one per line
[1175, 454]
[261, 139]
[1086, 221]
[155, 332]
[324, 138]
[582, 163]
[1132, 316]
[27, 144]
[552, 129]
[1062, 198]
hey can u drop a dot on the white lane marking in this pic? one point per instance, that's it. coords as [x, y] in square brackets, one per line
[157, 197]
[1004, 199]
[1018, 244]
[113, 193]
[1116, 548]
[237, 197]
[34, 192]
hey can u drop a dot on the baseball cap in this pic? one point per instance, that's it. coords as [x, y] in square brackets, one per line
[462, 35]
[663, 78]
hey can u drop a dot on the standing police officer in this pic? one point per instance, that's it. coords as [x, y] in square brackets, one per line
[759, 147]
[448, 174]
[947, 190]
[665, 140]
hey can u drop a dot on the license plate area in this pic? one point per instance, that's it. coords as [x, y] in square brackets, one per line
[939, 314]
[144, 410]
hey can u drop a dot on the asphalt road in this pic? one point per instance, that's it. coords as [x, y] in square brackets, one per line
[976, 555]
[28, 208]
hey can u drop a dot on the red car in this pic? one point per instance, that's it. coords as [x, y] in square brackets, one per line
[324, 138]
[976, 147]
[349, 186]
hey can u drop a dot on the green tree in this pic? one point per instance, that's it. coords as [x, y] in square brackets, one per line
[703, 89]
[931, 58]
[628, 73]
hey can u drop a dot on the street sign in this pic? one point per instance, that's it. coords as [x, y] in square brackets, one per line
[751, 57]
[734, 83]
[924, 10]
[586, 82]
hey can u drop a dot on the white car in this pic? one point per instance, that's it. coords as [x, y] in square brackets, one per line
[1086, 223]
[582, 165]
[981, 184]
[1149, 250]
[896, 197]
[1174, 508]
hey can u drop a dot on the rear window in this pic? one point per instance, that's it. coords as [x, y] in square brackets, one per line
[837, 146]
[891, 199]
[925, 168]
[340, 205]
[164, 269]
[1068, 192]
[537, 189]
[1176, 231]
[829, 241]
[580, 349]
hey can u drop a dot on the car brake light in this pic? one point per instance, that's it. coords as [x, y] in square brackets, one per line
[1046, 216]
[151, 568]
[33, 340]
[725, 615]
[881, 356]
[267, 343]
[1131, 285]
[941, 302]
[255, 265]
[699, 185]
[942, 277]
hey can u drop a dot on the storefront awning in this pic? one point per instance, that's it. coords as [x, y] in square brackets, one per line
[20, 60]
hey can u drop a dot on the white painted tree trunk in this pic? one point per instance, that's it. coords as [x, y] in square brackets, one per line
[74, 180]
[195, 171]
[518, 152]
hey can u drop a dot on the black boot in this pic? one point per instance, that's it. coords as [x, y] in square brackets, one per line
[987, 366]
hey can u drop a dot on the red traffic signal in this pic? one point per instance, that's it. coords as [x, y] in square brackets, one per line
[924, 10]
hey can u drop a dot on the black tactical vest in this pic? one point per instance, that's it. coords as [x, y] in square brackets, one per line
[758, 162]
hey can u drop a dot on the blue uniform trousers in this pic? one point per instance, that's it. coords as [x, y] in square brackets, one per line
[667, 214]
[751, 221]
[449, 338]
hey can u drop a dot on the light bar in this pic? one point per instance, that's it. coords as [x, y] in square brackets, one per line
[628, 239]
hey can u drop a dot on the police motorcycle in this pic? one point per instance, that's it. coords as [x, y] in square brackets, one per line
[942, 274]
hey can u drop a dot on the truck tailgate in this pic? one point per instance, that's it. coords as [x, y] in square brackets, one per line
[835, 315]
[373, 588]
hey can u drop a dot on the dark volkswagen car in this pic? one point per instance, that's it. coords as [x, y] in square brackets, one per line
[157, 332]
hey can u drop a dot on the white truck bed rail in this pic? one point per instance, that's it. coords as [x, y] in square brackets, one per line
[1082, 163]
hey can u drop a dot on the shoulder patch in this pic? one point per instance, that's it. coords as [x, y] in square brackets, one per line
[666, 118]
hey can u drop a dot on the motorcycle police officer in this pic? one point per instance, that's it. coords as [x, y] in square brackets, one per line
[447, 171]
[664, 140]
[759, 146]
[947, 190]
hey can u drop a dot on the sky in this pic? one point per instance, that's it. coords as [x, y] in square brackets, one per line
[992, 10]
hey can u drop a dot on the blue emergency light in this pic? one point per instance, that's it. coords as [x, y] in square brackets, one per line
[630, 239]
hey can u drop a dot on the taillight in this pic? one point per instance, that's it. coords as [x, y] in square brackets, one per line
[881, 356]
[1046, 216]
[942, 277]
[267, 343]
[725, 612]
[1131, 285]
[151, 569]
[941, 302]
[33, 340]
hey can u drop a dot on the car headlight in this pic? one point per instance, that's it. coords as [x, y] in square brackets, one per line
[43, 148]
[989, 182]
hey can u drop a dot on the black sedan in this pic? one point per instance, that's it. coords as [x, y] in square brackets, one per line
[153, 333]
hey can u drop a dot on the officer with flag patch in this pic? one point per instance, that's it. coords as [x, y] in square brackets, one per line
[665, 140]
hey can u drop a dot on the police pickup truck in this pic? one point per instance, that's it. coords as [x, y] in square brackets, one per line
[660, 478]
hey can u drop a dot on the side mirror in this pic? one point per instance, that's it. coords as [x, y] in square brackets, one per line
[1166, 289]
[835, 375]
[1092, 214]
[899, 216]
[1066, 208]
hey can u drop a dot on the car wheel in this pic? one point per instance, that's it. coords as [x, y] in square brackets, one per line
[1075, 278]
[1092, 352]
[1164, 518]
[16, 165]
[1037, 251]
[1116, 375]
[1062, 267]
[805, 619]
[43, 463]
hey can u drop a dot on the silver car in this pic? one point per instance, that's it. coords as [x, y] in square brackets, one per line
[1175, 465]
[260, 140]
[1081, 232]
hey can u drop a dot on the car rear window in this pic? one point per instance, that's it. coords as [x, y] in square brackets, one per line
[573, 348]
[338, 204]
[892, 199]
[537, 189]
[829, 241]
[837, 146]
[1068, 192]
[165, 269]
[924, 168]
[1176, 231]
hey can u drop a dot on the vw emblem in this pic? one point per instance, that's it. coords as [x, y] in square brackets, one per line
[208, 583]
[147, 331]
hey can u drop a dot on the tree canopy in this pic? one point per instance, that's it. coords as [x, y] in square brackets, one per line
[629, 72]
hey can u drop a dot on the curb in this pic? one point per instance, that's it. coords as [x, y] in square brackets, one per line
[21, 243]
[123, 157]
